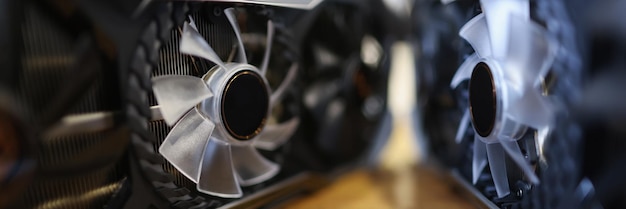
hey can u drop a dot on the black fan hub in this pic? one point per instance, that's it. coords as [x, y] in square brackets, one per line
[245, 103]
[482, 98]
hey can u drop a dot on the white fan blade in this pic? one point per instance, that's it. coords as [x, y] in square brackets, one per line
[232, 18]
[192, 23]
[479, 160]
[192, 43]
[531, 109]
[498, 13]
[278, 94]
[176, 94]
[542, 136]
[530, 53]
[251, 167]
[296, 4]
[476, 33]
[217, 176]
[273, 136]
[184, 145]
[465, 121]
[515, 153]
[465, 70]
[268, 47]
[497, 165]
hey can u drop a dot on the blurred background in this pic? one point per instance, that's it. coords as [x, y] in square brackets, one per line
[401, 176]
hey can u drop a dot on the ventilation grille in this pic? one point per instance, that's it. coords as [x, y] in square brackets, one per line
[47, 56]
[48, 52]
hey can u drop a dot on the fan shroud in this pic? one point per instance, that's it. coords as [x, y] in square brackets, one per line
[214, 28]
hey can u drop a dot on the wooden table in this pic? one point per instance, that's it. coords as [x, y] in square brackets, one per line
[419, 187]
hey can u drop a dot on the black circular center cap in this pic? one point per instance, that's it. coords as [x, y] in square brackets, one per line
[244, 105]
[482, 98]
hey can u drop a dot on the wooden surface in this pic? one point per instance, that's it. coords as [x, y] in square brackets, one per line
[425, 188]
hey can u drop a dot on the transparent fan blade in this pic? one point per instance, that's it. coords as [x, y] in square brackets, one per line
[465, 70]
[217, 176]
[176, 94]
[251, 167]
[268, 47]
[278, 94]
[513, 150]
[232, 18]
[273, 136]
[192, 23]
[530, 53]
[531, 109]
[476, 33]
[192, 43]
[185, 143]
[498, 13]
[479, 160]
[465, 121]
[497, 165]
[542, 136]
[296, 4]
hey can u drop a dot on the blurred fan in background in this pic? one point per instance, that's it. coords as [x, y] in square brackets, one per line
[507, 94]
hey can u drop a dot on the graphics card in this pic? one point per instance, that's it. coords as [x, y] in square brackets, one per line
[503, 88]
[199, 104]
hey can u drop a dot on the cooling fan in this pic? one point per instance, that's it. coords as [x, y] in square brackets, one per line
[75, 97]
[498, 80]
[346, 64]
[220, 119]
[512, 56]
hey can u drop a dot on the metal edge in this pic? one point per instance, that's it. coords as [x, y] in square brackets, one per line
[299, 183]
[307, 5]
[470, 192]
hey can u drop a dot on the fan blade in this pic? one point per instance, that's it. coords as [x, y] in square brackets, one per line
[515, 153]
[498, 13]
[321, 93]
[192, 23]
[333, 117]
[465, 70]
[294, 4]
[460, 133]
[268, 46]
[497, 165]
[479, 160]
[278, 94]
[176, 94]
[232, 18]
[217, 175]
[542, 136]
[192, 43]
[251, 167]
[531, 109]
[273, 136]
[530, 53]
[476, 33]
[184, 145]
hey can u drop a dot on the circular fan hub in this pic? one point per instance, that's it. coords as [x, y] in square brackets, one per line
[245, 103]
[482, 98]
